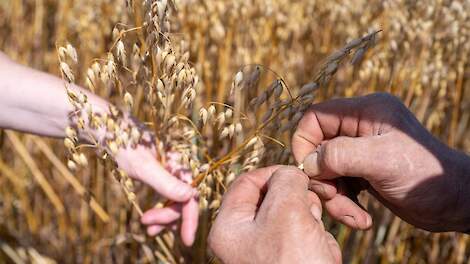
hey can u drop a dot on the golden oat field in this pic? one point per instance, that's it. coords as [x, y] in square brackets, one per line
[223, 82]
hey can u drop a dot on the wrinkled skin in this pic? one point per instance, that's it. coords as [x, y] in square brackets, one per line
[270, 216]
[375, 143]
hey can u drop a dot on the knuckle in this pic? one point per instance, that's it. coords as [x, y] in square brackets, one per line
[329, 155]
[244, 179]
[335, 155]
[286, 171]
[308, 116]
[284, 175]
[298, 135]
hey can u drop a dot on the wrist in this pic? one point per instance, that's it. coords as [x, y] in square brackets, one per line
[112, 131]
[101, 124]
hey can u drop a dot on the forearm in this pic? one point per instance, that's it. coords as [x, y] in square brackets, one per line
[35, 102]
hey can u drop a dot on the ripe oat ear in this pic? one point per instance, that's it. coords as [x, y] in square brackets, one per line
[259, 64]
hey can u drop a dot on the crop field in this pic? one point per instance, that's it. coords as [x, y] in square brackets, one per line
[223, 83]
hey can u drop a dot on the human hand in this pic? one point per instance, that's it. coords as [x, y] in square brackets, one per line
[270, 216]
[379, 142]
[172, 183]
[27, 106]
[137, 158]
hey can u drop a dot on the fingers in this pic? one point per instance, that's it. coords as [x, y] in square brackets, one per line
[307, 137]
[154, 229]
[190, 219]
[241, 200]
[161, 216]
[286, 191]
[158, 218]
[343, 209]
[233, 224]
[141, 164]
[146, 169]
[339, 205]
[324, 121]
[153, 174]
[323, 188]
[287, 180]
[346, 156]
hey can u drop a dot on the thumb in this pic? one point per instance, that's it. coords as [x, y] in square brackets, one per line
[347, 156]
[286, 193]
[287, 181]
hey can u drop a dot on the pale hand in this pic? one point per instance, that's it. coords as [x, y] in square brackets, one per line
[142, 165]
[39, 105]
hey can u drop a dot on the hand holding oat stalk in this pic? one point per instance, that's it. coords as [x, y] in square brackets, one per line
[25, 105]
[147, 71]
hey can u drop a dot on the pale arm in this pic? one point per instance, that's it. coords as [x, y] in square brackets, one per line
[35, 102]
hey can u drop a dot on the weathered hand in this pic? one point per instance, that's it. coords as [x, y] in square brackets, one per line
[141, 164]
[379, 142]
[270, 216]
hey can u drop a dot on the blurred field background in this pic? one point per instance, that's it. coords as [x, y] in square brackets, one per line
[422, 55]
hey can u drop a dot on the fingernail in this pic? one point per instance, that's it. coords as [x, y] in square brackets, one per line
[311, 166]
[350, 221]
[368, 221]
[316, 212]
